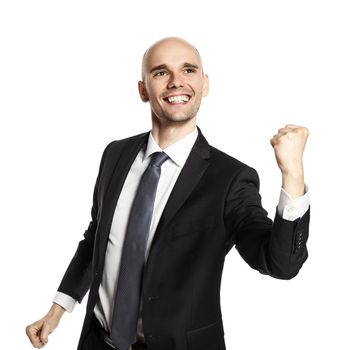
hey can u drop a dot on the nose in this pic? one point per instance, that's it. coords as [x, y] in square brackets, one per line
[175, 81]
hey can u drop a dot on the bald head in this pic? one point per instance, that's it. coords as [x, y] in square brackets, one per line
[173, 81]
[166, 48]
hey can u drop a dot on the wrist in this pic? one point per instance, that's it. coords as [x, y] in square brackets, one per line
[56, 310]
[292, 169]
[293, 184]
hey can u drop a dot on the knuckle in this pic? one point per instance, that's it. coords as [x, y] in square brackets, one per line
[303, 131]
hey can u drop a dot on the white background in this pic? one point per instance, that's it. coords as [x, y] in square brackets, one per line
[68, 86]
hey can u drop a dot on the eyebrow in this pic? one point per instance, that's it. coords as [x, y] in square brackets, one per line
[190, 65]
[164, 66]
[161, 66]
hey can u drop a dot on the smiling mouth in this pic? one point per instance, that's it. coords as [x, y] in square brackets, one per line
[179, 99]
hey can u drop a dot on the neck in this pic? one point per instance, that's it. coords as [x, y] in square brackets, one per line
[165, 134]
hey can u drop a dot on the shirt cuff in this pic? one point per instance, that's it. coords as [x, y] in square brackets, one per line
[293, 208]
[64, 300]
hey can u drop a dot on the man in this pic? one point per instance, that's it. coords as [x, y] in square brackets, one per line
[205, 202]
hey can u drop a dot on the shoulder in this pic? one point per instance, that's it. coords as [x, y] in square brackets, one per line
[217, 157]
[118, 144]
[114, 149]
[221, 158]
[223, 164]
[232, 169]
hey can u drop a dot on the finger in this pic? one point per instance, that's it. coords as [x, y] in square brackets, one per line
[274, 141]
[275, 138]
[33, 332]
[282, 134]
[293, 126]
[278, 138]
[44, 334]
[285, 130]
[301, 130]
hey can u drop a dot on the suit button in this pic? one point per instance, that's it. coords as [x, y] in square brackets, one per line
[153, 337]
[152, 297]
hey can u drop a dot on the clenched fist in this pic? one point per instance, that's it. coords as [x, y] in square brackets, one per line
[289, 145]
[39, 331]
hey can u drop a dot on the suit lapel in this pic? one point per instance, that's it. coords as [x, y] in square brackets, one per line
[194, 168]
[119, 174]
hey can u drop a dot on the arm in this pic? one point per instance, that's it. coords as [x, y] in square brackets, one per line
[78, 276]
[276, 248]
[75, 282]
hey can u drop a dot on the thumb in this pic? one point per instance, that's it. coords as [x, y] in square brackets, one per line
[44, 334]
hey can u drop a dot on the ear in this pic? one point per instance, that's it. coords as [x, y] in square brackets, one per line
[205, 89]
[143, 91]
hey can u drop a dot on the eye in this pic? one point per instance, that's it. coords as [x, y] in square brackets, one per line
[161, 73]
[190, 70]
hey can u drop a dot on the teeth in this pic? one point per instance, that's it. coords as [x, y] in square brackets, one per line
[182, 98]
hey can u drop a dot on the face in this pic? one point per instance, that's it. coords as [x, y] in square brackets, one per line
[173, 81]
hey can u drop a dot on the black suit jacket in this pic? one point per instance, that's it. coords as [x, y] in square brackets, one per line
[214, 205]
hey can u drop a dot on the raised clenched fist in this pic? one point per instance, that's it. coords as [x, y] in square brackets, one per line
[289, 145]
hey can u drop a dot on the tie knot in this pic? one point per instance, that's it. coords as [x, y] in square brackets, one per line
[158, 158]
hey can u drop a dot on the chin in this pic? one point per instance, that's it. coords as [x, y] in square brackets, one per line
[173, 117]
[178, 118]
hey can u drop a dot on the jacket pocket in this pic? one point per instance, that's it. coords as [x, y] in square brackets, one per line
[193, 227]
[210, 337]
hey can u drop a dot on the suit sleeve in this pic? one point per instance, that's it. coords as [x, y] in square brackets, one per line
[277, 248]
[78, 276]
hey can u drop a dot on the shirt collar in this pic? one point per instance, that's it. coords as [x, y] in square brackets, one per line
[177, 152]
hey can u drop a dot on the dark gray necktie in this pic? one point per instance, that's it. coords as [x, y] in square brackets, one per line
[128, 294]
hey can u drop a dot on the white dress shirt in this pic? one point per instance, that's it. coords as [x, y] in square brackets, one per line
[288, 208]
